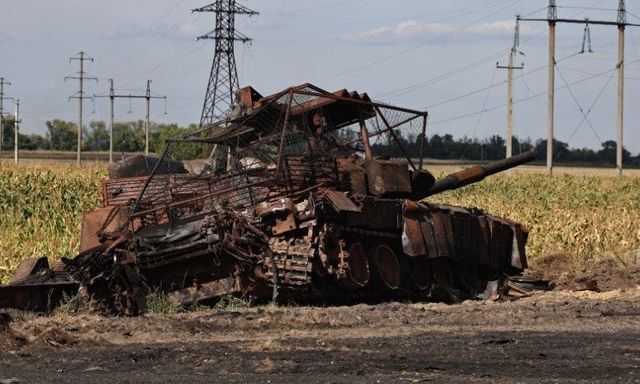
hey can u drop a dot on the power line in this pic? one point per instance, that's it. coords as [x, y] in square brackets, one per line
[405, 51]
[147, 96]
[621, 24]
[475, 64]
[575, 100]
[531, 97]
[493, 85]
[606, 84]
[81, 76]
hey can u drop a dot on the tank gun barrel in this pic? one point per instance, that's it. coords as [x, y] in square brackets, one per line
[479, 172]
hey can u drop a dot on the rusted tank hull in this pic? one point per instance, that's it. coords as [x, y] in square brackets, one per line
[294, 207]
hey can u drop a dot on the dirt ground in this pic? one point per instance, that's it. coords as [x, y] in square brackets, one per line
[559, 336]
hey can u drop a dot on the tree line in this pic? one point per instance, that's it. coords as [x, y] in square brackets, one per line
[129, 136]
[494, 148]
[62, 135]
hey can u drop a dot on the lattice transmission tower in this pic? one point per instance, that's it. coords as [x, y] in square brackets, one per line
[223, 80]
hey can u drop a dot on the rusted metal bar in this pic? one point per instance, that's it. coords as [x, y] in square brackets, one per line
[395, 137]
[364, 136]
[423, 140]
[200, 198]
[153, 173]
[280, 167]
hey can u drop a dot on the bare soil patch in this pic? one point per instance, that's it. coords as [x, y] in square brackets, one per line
[562, 336]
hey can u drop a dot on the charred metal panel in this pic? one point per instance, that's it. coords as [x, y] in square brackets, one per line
[377, 214]
[388, 177]
[39, 297]
[340, 201]
[28, 268]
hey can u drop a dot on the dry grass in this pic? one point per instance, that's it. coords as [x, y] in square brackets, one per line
[589, 217]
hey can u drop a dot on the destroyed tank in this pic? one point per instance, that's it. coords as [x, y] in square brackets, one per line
[290, 202]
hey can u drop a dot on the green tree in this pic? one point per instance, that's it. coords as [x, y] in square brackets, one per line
[63, 135]
[97, 137]
[7, 133]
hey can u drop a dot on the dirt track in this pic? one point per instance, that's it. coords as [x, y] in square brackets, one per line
[552, 337]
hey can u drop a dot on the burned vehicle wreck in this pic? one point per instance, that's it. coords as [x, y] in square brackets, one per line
[289, 202]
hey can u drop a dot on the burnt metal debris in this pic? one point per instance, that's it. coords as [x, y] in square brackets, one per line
[287, 201]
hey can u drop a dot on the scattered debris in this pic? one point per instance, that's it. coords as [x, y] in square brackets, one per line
[290, 204]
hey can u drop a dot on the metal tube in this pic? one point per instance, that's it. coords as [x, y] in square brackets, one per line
[477, 173]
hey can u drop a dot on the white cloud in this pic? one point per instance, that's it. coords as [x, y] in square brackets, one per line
[412, 29]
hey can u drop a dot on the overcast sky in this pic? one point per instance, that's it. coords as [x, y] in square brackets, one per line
[415, 53]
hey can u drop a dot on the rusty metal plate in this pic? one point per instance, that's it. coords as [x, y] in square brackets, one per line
[377, 214]
[440, 234]
[518, 255]
[413, 243]
[28, 268]
[479, 240]
[284, 225]
[428, 234]
[386, 177]
[340, 201]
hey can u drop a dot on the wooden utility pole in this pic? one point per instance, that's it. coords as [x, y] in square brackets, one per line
[81, 76]
[16, 129]
[621, 23]
[147, 124]
[510, 67]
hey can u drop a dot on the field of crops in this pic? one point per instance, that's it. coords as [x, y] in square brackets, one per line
[588, 217]
[41, 210]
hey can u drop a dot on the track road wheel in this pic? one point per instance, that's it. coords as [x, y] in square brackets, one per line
[387, 267]
[358, 272]
[418, 271]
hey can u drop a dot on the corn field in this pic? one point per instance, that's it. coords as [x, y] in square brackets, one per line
[589, 217]
[41, 210]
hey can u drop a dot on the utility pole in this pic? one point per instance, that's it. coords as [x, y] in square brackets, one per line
[147, 96]
[3, 97]
[621, 23]
[223, 79]
[112, 99]
[551, 85]
[81, 76]
[16, 129]
[510, 67]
